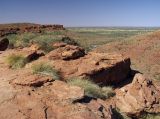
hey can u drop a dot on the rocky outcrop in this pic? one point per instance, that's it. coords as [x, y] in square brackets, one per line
[21, 28]
[6, 31]
[138, 97]
[4, 42]
[67, 52]
[101, 67]
[36, 96]
[40, 28]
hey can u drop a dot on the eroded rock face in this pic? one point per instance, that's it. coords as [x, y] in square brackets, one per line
[4, 42]
[66, 53]
[101, 67]
[139, 96]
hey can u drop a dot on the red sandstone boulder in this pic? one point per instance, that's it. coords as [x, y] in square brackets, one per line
[139, 96]
[4, 42]
[100, 110]
[66, 53]
[101, 67]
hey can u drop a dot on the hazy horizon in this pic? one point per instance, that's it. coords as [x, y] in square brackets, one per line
[82, 26]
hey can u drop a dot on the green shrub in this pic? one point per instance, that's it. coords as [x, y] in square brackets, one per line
[107, 91]
[69, 41]
[91, 89]
[150, 116]
[45, 69]
[157, 77]
[46, 47]
[58, 32]
[16, 61]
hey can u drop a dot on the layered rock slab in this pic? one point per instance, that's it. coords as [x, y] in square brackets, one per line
[101, 67]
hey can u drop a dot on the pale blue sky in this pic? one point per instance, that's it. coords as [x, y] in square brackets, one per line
[82, 12]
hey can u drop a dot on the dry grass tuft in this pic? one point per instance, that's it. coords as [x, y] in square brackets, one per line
[16, 61]
[91, 89]
[45, 69]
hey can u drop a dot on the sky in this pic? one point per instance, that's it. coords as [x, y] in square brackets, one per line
[82, 12]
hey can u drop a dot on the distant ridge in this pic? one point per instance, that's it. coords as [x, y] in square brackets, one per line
[14, 28]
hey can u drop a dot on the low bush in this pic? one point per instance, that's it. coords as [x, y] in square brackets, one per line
[46, 47]
[58, 32]
[45, 69]
[16, 61]
[107, 91]
[157, 77]
[69, 41]
[150, 116]
[91, 89]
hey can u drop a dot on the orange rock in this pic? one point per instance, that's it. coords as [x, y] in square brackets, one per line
[139, 96]
[34, 47]
[66, 53]
[101, 67]
[100, 110]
